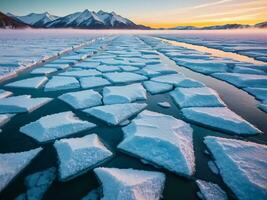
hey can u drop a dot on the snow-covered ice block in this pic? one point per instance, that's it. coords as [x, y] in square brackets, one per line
[61, 83]
[124, 77]
[82, 99]
[43, 71]
[4, 118]
[246, 70]
[56, 66]
[124, 94]
[55, 126]
[92, 82]
[130, 184]
[242, 165]
[116, 113]
[221, 119]
[156, 87]
[31, 83]
[38, 183]
[156, 70]
[11, 164]
[4, 93]
[108, 68]
[164, 104]
[162, 140]
[128, 68]
[81, 73]
[196, 97]
[243, 80]
[78, 155]
[211, 191]
[178, 80]
[87, 65]
[23, 103]
[258, 93]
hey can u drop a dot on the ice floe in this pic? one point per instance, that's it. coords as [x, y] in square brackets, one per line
[4, 93]
[22, 103]
[108, 68]
[242, 165]
[87, 65]
[162, 140]
[61, 83]
[55, 126]
[124, 77]
[78, 155]
[246, 70]
[116, 113]
[11, 164]
[156, 87]
[124, 94]
[196, 97]
[92, 82]
[82, 99]
[211, 191]
[130, 184]
[57, 66]
[178, 80]
[38, 183]
[4, 118]
[243, 80]
[258, 93]
[31, 83]
[80, 73]
[43, 71]
[221, 119]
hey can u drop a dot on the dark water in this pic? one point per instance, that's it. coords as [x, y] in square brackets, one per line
[176, 187]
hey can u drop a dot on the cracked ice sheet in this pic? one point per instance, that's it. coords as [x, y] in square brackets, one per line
[51, 127]
[242, 165]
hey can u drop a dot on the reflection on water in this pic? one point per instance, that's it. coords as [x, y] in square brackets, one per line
[216, 52]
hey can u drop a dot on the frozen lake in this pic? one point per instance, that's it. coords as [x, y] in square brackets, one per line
[122, 68]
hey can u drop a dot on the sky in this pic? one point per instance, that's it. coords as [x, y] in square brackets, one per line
[153, 13]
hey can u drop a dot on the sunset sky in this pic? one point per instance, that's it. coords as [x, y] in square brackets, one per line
[154, 13]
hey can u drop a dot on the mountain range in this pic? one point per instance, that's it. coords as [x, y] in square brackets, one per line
[95, 20]
[85, 20]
